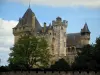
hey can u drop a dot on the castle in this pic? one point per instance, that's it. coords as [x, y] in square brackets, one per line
[61, 44]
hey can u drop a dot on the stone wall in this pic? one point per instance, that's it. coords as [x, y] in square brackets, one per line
[49, 73]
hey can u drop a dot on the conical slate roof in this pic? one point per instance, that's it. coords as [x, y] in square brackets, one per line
[28, 13]
[85, 28]
[27, 19]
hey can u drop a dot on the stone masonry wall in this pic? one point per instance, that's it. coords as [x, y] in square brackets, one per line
[49, 73]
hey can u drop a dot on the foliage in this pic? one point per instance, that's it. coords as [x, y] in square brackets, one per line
[96, 53]
[4, 69]
[84, 58]
[89, 58]
[61, 64]
[30, 52]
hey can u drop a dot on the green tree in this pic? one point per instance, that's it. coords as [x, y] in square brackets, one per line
[61, 64]
[96, 53]
[89, 57]
[30, 52]
[84, 60]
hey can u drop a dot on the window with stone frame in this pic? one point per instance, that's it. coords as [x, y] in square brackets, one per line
[61, 28]
[64, 33]
[53, 43]
[50, 33]
[64, 44]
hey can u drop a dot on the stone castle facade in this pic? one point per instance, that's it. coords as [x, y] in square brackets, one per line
[61, 44]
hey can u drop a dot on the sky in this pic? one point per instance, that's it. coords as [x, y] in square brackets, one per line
[76, 12]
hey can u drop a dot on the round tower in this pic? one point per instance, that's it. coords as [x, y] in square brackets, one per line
[85, 35]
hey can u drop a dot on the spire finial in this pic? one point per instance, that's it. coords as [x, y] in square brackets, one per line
[29, 3]
[85, 22]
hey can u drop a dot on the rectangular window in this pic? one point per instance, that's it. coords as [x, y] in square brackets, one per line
[64, 33]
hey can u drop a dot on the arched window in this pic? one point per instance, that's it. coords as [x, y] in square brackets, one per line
[73, 48]
[53, 39]
[61, 28]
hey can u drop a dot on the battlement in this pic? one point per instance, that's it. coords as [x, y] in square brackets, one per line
[21, 29]
[59, 21]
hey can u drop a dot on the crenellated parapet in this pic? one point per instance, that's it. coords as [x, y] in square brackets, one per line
[17, 31]
[59, 22]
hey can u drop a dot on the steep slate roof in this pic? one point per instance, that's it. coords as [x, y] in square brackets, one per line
[28, 13]
[27, 20]
[38, 27]
[73, 39]
[85, 28]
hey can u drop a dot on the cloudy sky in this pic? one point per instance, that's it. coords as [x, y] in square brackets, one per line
[76, 12]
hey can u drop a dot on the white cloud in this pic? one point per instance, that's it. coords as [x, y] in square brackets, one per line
[62, 3]
[6, 39]
[4, 50]
[6, 36]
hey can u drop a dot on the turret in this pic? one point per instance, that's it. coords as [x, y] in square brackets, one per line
[85, 35]
[85, 30]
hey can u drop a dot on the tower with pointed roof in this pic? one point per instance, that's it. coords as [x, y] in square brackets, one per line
[85, 35]
[75, 41]
[28, 24]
